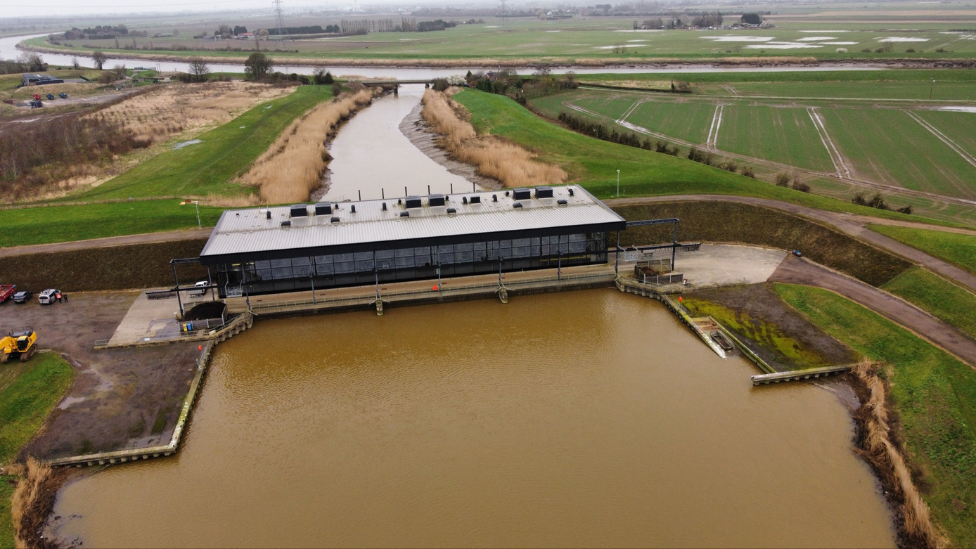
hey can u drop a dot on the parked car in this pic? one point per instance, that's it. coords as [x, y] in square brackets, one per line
[50, 97]
[22, 296]
[7, 291]
[200, 288]
[63, 95]
[48, 296]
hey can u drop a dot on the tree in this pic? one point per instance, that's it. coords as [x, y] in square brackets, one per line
[199, 69]
[224, 31]
[751, 19]
[322, 76]
[100, 58]
[75, 64]
[31, 61]
[257, 66]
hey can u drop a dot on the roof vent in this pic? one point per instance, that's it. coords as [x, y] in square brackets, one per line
[413, 202]
[334, 220]
[435, 200]
[464, 200]
[543, 192]
[494, 198]
[323, 209]
[286, 223]
[384, 206]
[562, 202]
[517, 205]
[404, 214]
[571, 192]
[522, 194]
[353, 210]
[476, 200]
[299, 210]
[267, 214]
[451, 211]
[506, 193]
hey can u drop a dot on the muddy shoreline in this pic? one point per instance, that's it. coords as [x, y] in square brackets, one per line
[552, 62]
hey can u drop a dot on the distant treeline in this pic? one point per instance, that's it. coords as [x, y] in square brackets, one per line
[310, 29]
[405, 24]
[99, 32]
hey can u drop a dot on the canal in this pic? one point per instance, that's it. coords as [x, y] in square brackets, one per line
[575, 419]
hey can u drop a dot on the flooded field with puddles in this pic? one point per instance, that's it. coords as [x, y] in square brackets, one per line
[574, 419]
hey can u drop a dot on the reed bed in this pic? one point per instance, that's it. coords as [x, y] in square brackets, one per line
[879, 450]
[294, 165]
[510, 164]
[32, 501]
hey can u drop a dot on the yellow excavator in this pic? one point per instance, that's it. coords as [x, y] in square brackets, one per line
[23, 344]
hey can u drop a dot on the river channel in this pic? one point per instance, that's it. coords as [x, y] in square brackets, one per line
[574, 419]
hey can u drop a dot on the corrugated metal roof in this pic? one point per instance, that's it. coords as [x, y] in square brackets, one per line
[249, 231]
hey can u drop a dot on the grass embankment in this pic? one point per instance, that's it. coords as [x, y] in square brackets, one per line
[932, 393]
[934, 294]
[959, 249]
[28, 393]
[747, 224]
[46, 224]
[209, 167]
[594, 163]
[512, 165]
[293, 167]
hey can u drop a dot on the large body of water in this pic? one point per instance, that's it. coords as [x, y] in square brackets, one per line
[373, 158]
[576, 419]
[8, 50]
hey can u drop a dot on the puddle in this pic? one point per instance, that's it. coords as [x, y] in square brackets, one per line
[187, 143]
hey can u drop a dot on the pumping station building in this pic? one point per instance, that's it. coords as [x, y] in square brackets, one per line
[330, 245]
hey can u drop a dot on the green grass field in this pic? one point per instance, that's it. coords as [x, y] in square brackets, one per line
[210, 166]
[595, 38]
[45, 224]
[959, 249]
[888, 146]
[785, 135]
[933, 393]
[593, 163]
[938, 296]
[960, 127]
[687, 120]
[941, 91]
[28, 393]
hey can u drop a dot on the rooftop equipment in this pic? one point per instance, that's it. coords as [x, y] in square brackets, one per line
[267, 214]
[476, 200]
[562, 202]
[543, 192]
[451, 211]
[517, 205]
[323, 209]
[404, 214]
[435, 200]
[413, 202]
[522, 194]
[334, 220]
[299, 210]
[286, 223]
[571, 192]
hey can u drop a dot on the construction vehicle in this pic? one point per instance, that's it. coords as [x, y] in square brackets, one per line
[22, 344]
[7, 291]
[35, 104]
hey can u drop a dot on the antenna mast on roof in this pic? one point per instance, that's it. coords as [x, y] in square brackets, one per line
[279, 18]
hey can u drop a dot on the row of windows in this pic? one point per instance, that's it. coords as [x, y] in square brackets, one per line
[425, 256]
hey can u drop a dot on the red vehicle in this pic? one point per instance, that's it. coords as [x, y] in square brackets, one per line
[7, 291]
[37, 97]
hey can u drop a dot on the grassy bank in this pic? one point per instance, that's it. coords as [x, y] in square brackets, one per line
[28, 393]
[747, 224]
[938, 296]
[223, 153]
[45, 224]
[959, 249]
[933, 395]
[594, 163]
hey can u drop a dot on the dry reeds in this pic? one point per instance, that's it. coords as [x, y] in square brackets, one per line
[293, 166]
[879, 450]
[31, 502]
[510, 164]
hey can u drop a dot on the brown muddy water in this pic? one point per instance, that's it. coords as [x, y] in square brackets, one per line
[372, 156]
[577, 419]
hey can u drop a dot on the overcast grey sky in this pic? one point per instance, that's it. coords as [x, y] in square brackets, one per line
[27, 8]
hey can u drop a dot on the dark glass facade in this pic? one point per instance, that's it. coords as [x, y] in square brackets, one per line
[303, 272]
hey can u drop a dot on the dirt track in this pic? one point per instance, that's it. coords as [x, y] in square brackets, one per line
[798, 271]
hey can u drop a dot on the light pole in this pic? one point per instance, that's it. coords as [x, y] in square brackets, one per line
[618, 182]
[931, 86]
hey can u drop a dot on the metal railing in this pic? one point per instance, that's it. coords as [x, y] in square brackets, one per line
[420, 293]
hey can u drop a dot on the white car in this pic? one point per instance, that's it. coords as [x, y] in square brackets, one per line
[200, 288]
[48, 296]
